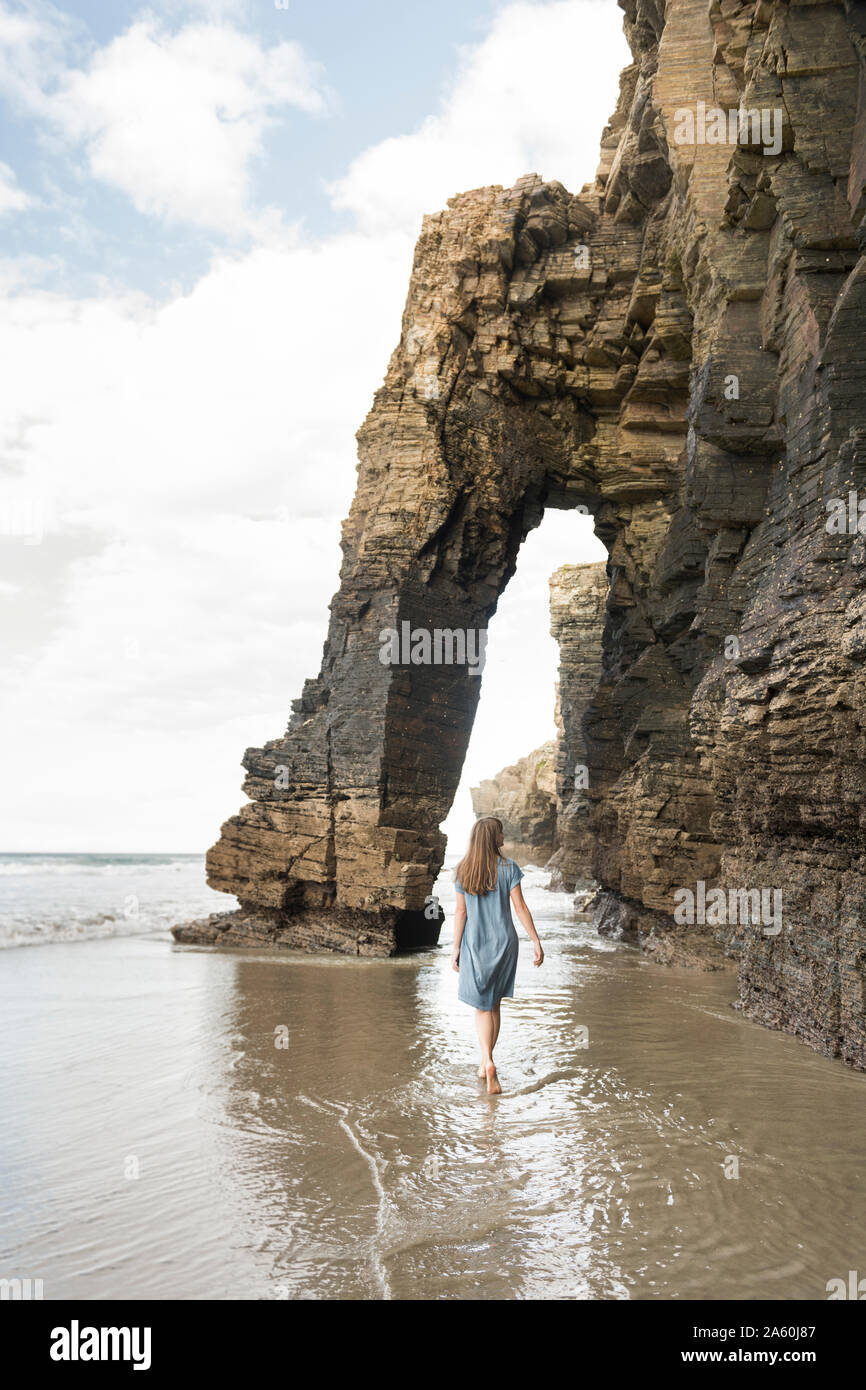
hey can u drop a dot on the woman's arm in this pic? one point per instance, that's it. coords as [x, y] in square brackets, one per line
[459, 924]
[526, 918]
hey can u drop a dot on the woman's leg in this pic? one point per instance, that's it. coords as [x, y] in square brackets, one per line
[497, 1023]
[494, 1014]
[484, 1027]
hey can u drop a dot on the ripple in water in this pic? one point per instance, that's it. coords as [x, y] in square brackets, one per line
[365, 1159]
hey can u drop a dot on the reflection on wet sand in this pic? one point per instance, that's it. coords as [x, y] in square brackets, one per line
[649, 1143]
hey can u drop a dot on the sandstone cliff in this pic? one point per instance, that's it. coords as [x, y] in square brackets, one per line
[524, 798]
[542, 800]
[578, 594]
[679, 348]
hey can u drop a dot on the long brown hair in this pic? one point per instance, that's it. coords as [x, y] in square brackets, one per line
[479, 867]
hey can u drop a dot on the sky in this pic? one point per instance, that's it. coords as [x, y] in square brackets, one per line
[207, 216]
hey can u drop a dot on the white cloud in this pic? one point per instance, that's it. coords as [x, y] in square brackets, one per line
[175, 120]
[207, 447]
[532, 98]
[201, 452]
[223, 9]
[244, 393]
[37, 41]
[12, 197]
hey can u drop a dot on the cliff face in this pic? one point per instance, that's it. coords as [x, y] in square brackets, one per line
[678, 348]
[542, 800]
[524, 798]
[578, 594]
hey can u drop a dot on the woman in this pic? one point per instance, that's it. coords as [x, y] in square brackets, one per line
[485, 957]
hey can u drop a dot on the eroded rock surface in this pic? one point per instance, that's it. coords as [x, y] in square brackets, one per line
[578, 595]
[524, 797]
[680, 348]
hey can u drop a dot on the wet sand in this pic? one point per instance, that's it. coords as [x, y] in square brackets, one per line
[157, 1143]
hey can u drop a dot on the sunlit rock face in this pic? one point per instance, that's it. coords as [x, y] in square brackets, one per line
[679, 348]
[524, 798]
[542, 800]
[578, 597]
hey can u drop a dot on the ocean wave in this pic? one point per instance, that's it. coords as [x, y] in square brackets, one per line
[20, 929]
[46, 898]
[108, 865]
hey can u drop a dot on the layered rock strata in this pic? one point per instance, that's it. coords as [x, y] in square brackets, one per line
[679, 348]
[524, 797]
[578, 595]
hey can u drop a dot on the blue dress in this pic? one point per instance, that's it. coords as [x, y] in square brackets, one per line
[488, 950]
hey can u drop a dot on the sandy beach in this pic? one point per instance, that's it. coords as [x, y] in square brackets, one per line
[186, 1124]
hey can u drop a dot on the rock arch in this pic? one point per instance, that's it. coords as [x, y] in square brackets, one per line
[679, 349]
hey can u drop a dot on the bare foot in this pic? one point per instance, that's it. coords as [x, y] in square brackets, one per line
[493, 1086]
[482, 1074]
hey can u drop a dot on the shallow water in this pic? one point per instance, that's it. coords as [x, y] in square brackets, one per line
[365, 1160]
[49, 898]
